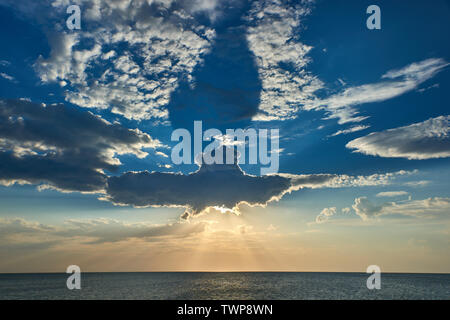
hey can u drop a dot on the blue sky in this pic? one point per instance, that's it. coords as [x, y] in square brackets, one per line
[86, 119]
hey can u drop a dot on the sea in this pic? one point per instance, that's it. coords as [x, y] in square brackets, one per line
[225, 286]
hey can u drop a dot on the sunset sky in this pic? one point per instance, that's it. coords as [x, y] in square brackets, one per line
[86, 117]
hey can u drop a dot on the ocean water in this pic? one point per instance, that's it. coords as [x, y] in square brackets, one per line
[225, 285]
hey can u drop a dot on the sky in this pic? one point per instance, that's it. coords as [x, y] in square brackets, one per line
[86, 118]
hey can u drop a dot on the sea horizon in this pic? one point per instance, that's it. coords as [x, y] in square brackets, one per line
[224, 286]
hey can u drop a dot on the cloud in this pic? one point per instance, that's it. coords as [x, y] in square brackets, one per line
[110, 230]
[392, 194]
[281, 58]
[58, 66]
[7, 77]
[62, 147]
[350, 130]
[395, 83]
[222, 186]
[92, 231]
[160, 44]
[427, 208]
[210, 186]
[366, 209]
[420, 183]
[424, 140]
[325, 214]
[287, 87]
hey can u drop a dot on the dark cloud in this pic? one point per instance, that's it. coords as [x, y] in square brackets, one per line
[223, 185]
[62, 146]
[217, 185]
[69, 149]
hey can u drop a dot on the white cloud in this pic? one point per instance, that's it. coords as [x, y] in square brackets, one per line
[162, 43]
[286, 85]
[58, 66]
[162, 154]
[427, 208]
[350, 130]
[281, 58]
[392, 194]
[341, 106]
[7, 77]
[420, 183]
[325, 214]
[339, 181]
[424, 140]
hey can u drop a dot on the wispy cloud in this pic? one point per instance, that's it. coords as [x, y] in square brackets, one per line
[350, 130]
[427, 208]
[92, 231]
[367, 210]
[7, 77]
[424, 140]
[394, 83]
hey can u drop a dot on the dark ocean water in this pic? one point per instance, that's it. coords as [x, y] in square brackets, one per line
[225, 285]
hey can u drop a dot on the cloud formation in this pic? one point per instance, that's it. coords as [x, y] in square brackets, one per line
[424, 140]
[62, 147]
[325, 214]
[210, 186]
[222, 186]
[93, 231]
[350, 130]
[281, 58]
[392, 194]
[427, 208]
[160, 43]
[394, 83]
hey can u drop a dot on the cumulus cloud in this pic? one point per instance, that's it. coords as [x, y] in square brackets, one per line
[325, 214]
[394, 83]
[427, 208]
[366, 209]
[419, 141]
[222, 186]
[62, 147]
